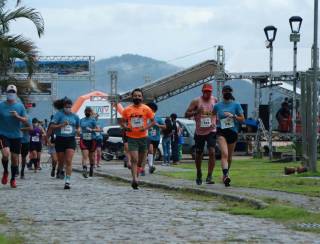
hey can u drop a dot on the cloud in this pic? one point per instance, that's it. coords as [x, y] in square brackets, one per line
[166, 31]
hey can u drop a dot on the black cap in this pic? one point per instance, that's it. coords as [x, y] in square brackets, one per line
[227, 88]
[35, 120]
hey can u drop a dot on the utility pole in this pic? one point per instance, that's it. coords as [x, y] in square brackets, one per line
[114, 96]
[220, 73]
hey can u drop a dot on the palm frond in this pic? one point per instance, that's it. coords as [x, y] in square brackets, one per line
[29, 13]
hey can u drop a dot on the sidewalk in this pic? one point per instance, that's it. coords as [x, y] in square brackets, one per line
[115, 170]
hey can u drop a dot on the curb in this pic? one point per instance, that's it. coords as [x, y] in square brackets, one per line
[259, 204]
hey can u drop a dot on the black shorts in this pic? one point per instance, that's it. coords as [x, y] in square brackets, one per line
[98, 143]
[35, 146]
[64, 143]
[13, 143]
[230, 135]
[154, 143]
[200, 141]
[90, 145]
[24, 149]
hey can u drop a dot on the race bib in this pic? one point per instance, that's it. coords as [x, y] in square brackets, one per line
[35, 139]
[227, 123]
[137, 122]
[66, 130]
[205, 122]
[153, 132]
[87, 136]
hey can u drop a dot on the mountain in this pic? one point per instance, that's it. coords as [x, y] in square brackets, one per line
[132, 71]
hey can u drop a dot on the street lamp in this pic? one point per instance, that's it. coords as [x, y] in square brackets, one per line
[295, 25]
[270, 32]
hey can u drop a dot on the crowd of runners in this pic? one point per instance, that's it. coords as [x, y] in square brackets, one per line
[22, 137]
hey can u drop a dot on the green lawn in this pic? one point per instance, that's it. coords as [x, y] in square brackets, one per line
[256, 173]
[5, 239]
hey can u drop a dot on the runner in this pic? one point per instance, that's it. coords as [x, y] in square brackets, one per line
[230, 115]
[66, 125]
[36, 135]
[12, 114]
[176, 132]
[51, 139]
[88, 142]
[135, 121]
[201, 110]
[154, 137]
[99, 140]
[25, 145]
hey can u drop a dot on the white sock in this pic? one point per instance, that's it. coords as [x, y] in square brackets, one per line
[150, 160]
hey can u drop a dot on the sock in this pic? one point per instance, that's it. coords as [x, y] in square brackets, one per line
[23, 165]
[209, 175]
[150, 160]
[67, 179]
[14, 171]
[199, 174]
[225, 172]
[84, 167]
[5, 163]
[91, 166]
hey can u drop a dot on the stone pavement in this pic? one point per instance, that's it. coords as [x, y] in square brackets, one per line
[251, 195]
[99, 211]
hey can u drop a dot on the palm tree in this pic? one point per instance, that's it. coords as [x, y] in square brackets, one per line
[14, 47]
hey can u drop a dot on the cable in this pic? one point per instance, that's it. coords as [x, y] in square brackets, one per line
[190, 54]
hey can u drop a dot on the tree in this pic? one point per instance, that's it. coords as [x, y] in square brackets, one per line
[14, 47]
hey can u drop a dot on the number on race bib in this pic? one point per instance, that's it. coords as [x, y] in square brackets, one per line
[205, 122]
[35, 139]
[137, 122]
[87, 136]
[66, 130]
[227, 123]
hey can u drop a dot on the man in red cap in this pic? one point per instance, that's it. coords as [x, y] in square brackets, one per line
[201, 109]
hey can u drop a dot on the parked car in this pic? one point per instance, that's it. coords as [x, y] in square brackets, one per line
[113, 143]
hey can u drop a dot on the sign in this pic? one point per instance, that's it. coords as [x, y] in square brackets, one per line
[102, 111]
[99, 98]
[59, 67]
[31, 87]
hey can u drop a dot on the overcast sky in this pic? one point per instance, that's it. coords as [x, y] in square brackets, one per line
[168, 29]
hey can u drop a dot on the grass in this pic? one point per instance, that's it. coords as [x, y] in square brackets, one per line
[279, 212]
[11, 239]
[258, 173]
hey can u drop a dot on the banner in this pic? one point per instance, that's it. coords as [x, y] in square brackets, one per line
[30, 87]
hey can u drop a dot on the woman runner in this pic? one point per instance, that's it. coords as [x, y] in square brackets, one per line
[36, 135]
[230, 115]
[66, 125]
[88, 144]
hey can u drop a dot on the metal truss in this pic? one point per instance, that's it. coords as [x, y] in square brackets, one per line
[183, 89]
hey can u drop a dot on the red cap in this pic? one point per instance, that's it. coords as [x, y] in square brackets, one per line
[207, 87]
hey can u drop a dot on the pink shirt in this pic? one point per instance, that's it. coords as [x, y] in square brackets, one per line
[206, 121]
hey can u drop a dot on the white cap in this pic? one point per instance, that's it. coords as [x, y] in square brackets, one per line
[12, 88]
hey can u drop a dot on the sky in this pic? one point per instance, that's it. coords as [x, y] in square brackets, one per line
[168, 29]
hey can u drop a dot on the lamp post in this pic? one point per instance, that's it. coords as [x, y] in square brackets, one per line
[270, 32]
[295, 25]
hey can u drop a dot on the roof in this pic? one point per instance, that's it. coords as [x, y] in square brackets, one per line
[177, 83]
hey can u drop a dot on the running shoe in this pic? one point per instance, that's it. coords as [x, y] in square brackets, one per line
[85, 173]
[4, 180]
[134, 185]
[67, 186]
[152, 169]
[91, 172]
[199, 181]
[226, 180]
[53, 172]
[13, 183]
[209, 180]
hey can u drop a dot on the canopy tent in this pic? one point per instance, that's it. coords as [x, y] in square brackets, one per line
[98, 101]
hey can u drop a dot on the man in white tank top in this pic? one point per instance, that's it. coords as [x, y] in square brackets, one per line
[201, 109]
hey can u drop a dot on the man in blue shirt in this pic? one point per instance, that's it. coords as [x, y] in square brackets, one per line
[12, 114]
[154, 137]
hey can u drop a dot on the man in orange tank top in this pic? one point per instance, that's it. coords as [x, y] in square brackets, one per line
[137, 119]
[201, 109]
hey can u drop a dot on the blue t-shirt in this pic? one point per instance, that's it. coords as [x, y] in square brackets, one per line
[98, 135]
[26, 134]
[154, 131]
[231, 107]
[69, 130]
[86, 123]
[9, 125]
